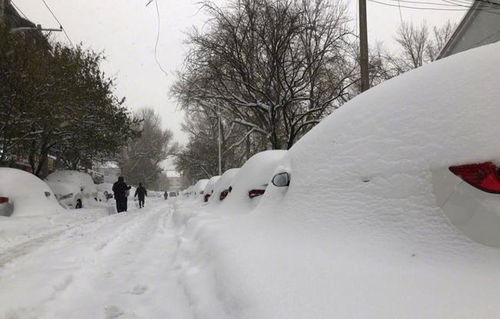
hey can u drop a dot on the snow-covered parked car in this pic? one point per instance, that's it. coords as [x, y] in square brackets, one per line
[199, 187]
[73, 189]
[24, 194]
[209, 189]
[172, 194]
[105, 191]
[252, 180]
[221, 187]
[395, 200]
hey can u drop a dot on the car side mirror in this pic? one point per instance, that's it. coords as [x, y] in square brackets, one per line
[281, 180]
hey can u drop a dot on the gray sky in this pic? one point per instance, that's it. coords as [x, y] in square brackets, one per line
[126, 31]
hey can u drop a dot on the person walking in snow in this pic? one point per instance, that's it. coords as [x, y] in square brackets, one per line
[120, 190]
[141, 193]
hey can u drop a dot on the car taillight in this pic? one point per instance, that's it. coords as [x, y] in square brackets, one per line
[4, 200]
[256, 192]
[484, 176]
[223, 194]
[207, 196]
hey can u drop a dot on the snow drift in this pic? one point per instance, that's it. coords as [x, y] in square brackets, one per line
[29, 194]
[358, 233]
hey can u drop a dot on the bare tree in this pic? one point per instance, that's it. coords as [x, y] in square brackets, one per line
[418, 45]
[140, 159]
[274, 67]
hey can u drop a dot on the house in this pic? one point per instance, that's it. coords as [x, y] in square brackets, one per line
[479, 26]
[10, 16]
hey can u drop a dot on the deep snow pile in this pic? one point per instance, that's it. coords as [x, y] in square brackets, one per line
[67, 181]
[29, 194]
[222, 184]
[209, 188]
[358, 234]
[199, 186]
[256, 173]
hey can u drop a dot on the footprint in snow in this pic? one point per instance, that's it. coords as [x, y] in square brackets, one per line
[139, 290]
[113, 312]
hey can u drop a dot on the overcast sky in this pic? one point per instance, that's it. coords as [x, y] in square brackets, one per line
[126, 31]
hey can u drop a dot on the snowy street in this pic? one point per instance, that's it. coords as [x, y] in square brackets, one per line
[119, 266]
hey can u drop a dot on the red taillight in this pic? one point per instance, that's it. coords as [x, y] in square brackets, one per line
[206, 197]
[4, 200]
[256, 192]
[223, 194]
[484, 176]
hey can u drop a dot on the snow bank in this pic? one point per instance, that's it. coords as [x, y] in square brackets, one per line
[83, 180]
[222, 184]
[358, 233]
[28, 193]
[198, 188]
[256, 173]
[209, 189]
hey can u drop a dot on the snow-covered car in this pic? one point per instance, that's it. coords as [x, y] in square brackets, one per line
[73, 189]
[252, 180]
[209, 189]
[172, 194]
[199, 187]
[105, 191]
[396, 200]
[221, 187]
[24, 194]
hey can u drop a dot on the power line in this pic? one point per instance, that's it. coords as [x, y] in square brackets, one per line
[60, 24]
[158, 39]
[429, 8]
[433, 3]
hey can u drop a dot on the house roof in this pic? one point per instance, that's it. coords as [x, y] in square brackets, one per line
[476, 12]
[14, 19]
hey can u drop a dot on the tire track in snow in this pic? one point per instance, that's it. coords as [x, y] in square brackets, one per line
[64, 255]
[135, 268]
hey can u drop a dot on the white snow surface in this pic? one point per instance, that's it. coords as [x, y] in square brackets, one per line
[256, 173]
[83, 180]
[222, 184]
[27, 192]
[211, 184]
[357, 234]
[199, 186]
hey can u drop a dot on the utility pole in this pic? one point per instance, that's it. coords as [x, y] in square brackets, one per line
[363, 46]
[219, 140]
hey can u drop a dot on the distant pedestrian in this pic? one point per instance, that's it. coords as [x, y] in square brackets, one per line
[141, 192]
[165, 195]
[120, 190]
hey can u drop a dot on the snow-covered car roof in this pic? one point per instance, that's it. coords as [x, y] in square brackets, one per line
[28, 193]
[254, 174]
[79, 179]
[361, 202]
[211, 184]
[199, 186]
[222, 184]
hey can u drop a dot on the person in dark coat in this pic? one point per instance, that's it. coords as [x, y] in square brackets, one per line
[141, 193]
[165, 195]
[120, 190]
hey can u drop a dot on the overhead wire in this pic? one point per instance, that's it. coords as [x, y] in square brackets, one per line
[19, 9]
[60, 24]
[158, 39]
[454, 8]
